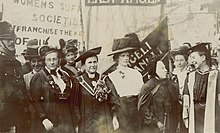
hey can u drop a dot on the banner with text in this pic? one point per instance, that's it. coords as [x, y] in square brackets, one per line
[153, 47]
[41, 19]
[123, 2]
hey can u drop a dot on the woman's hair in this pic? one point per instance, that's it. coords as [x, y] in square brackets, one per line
[184, 55]
[58, 55]
[116, 56]
[207, 57]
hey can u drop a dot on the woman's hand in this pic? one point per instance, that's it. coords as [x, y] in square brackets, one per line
[47, 124]
[115, 122]
[160, 126]
[76, 129]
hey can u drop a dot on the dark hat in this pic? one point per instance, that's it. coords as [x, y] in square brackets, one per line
[6, 31]
[70, 46]
[45, 50]
[122, 45]
[182, 50]
[32, 49]
[134, 39]
[89, 53]
[200, 47]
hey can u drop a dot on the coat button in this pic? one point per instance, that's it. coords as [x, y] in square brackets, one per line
[6, 74]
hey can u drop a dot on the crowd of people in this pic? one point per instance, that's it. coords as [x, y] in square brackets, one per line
[51, 95]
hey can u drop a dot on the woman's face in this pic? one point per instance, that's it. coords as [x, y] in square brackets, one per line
[91, 64]
[70, 57]
[161, 70]
[180, 61]
[197, 60]
[123, 59]
[52, 61]
[36, 64]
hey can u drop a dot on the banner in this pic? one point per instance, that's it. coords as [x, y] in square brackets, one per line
[154, 45]
[40, 19]
[123, 2]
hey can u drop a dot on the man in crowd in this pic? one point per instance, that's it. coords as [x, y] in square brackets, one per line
[13, 95]
[36, 63]
[201, 93]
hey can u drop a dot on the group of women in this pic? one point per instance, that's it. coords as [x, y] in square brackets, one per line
[67, 100]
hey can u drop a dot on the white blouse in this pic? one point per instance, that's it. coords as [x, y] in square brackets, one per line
[127, 81]
[58, 80]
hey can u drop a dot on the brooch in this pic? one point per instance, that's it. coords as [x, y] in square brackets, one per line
[94, 83]
[122, 74]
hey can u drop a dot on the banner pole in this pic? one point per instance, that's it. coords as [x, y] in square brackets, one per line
[169, 60]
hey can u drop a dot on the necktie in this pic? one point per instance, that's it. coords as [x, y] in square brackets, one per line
[53, 72]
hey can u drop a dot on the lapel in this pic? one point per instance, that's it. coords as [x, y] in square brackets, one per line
[86, 82]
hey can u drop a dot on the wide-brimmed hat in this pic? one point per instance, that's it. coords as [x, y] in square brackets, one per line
[6, 31]
[45, 50]
[123, 45]
[32, 49]
[70, 46]
[89, 53]
[181, 50]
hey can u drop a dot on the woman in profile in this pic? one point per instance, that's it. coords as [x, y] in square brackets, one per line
[158, 103]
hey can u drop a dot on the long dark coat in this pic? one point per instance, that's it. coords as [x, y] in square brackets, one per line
[13, 95]
[51, 105]
[95, 115]
[164, 103]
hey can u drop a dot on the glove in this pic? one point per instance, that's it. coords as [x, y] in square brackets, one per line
[48, 125]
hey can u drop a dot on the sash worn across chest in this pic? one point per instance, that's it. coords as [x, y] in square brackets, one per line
[86, 86]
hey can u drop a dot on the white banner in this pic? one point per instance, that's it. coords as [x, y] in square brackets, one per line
[41, 19]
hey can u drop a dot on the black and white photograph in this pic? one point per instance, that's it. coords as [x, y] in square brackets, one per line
[109, 66]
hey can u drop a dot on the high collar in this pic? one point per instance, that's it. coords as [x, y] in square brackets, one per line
[177, 70]
[33, 71]
[122, 68]
[202, 72]
[87, 76]
[50, 70]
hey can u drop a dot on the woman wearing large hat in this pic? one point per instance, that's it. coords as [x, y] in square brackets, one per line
[69, 53]
[94, 96]
[127, 83]
[52, 94]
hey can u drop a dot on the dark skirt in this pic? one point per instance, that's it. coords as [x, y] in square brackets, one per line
[128, 122]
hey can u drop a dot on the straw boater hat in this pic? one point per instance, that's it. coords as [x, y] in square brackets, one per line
[6, 31]
[122, 45]
[89, 53]
[32, 49]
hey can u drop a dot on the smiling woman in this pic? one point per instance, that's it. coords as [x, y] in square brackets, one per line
[95, 110]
